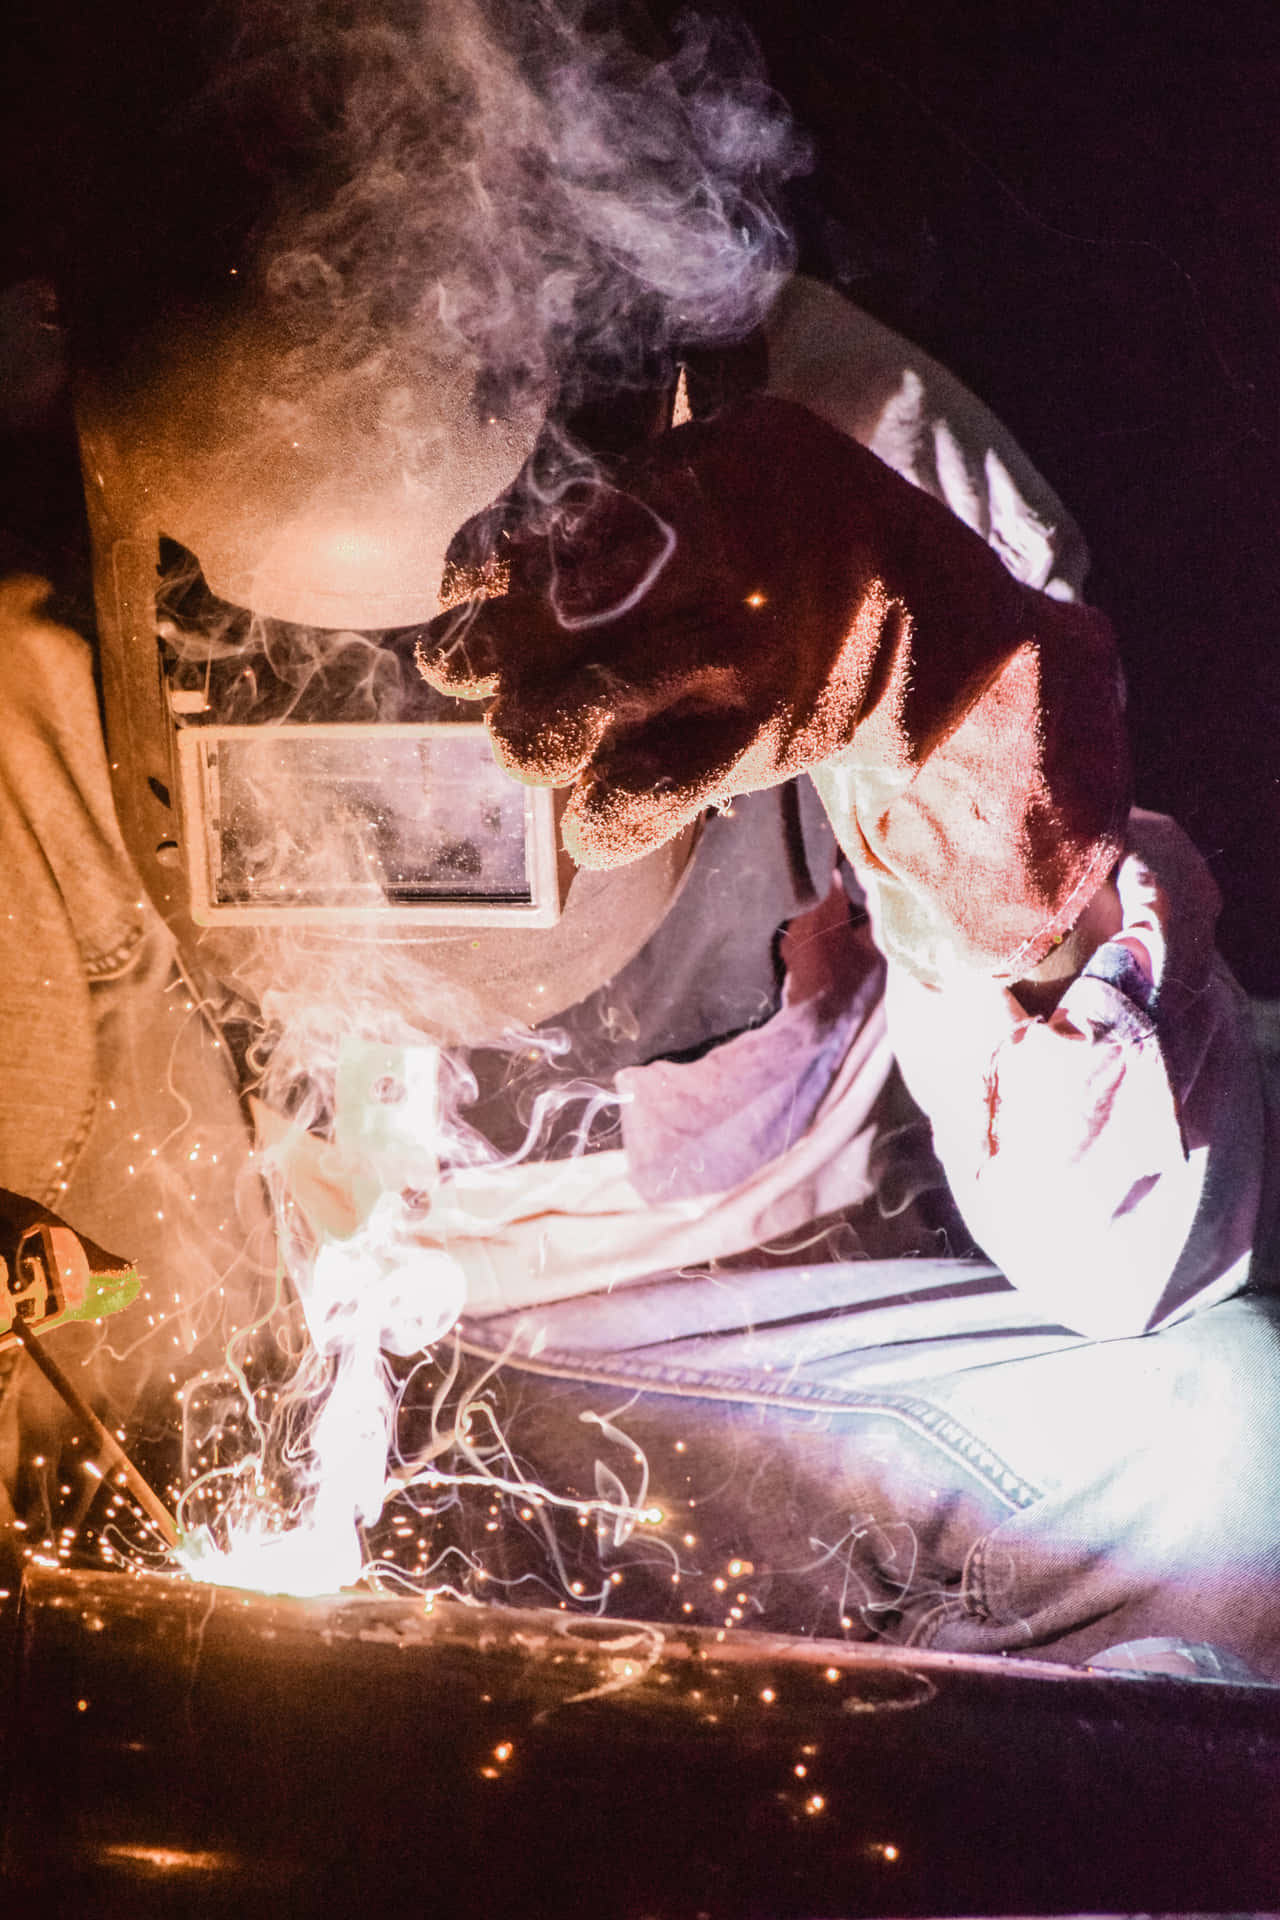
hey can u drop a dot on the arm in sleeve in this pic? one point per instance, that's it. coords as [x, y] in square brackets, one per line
[883, 391]
[1108, 1157]
[929, 830]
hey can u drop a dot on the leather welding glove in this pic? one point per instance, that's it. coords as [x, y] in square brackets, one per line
[756, 596]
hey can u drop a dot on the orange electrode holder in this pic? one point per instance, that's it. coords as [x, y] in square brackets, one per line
[49, 1275]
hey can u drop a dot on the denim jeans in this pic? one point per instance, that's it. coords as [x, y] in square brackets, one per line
[119, 1106]
[897, 1450]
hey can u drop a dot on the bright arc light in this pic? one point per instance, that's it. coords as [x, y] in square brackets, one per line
[304, 1562]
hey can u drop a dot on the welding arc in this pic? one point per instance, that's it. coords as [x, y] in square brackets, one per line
[141, 1489]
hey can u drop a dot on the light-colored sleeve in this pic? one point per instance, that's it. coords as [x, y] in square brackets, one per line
[874, 385]
[1109, 1157]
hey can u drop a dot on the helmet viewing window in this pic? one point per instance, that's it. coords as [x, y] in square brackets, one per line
[300, 803]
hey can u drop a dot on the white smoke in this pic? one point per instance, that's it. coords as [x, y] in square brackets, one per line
[490, 183]
[498, 180]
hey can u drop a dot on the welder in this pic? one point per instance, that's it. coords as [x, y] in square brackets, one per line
[853, 1091]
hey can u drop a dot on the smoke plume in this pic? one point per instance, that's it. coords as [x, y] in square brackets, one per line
[532, 190]
[512, 188]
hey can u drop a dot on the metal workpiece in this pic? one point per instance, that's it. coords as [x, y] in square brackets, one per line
[177, 1749]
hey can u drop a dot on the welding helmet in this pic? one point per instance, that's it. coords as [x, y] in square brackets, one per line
[270, 518]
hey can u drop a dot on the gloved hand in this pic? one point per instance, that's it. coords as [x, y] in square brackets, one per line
[757, 595]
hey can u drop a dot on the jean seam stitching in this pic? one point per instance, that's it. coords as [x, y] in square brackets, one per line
[55, 1192]
[973, 1580]
[103, 966]
[930, 1625]
[918, 1416]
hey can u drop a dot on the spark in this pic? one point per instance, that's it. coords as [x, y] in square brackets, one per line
[169, 1859]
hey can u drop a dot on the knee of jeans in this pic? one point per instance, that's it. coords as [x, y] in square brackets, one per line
[1190, 1492]
[1215, 1459]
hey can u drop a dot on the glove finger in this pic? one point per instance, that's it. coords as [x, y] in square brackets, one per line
[461, 651]
[605, 556]
[543, 739]
[548, 729]
[644, 787]
[511, 642]
[597, 562]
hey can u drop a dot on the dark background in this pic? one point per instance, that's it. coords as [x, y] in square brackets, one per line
[1073, 206]
[1077, 208]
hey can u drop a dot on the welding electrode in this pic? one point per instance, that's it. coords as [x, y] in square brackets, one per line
[49, 1274]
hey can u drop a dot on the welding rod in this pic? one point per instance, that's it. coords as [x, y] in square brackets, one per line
[142, 1490]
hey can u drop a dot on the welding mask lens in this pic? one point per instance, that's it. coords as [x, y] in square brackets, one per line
[309, 822]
